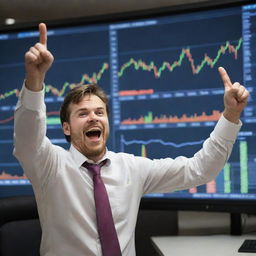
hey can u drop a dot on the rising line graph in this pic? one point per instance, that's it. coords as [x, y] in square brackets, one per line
[85, 79]
[185, 53]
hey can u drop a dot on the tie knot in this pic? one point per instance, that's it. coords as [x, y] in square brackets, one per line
[94, 168]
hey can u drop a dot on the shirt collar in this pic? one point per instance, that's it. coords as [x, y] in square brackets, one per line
[79, 158]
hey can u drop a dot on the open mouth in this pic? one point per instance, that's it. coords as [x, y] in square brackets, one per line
[93, 133]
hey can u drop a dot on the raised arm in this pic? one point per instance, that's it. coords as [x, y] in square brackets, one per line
[31, 146]
[235, 97]
[37, 61]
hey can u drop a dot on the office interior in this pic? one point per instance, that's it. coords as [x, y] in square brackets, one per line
[18, 213]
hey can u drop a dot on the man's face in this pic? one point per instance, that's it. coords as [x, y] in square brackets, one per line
[88, 127]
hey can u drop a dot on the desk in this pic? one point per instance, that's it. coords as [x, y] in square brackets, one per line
[213, 245]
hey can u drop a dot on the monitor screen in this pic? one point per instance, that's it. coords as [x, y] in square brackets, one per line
[160, 73]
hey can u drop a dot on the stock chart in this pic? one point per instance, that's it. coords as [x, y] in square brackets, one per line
[162, 81]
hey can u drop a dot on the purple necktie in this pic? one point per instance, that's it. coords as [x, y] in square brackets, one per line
[106, 228]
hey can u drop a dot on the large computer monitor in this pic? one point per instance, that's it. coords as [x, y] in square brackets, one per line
[159, 69]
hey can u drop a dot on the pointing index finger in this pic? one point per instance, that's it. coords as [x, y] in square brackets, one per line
[225, 78]
[43, 34]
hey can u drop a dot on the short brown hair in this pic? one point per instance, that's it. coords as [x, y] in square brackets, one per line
[76, 95]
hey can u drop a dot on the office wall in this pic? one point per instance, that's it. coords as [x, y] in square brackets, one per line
[153, 223]
[210, 223]
[36, 10]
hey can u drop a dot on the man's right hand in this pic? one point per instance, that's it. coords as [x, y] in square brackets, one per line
[37, 61]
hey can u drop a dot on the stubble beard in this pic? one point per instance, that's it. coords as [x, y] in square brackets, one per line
[79, 141]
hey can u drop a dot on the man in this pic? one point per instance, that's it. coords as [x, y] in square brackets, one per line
[62, 182]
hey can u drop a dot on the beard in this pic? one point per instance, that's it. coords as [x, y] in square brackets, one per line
[85, 147]
[94, 153]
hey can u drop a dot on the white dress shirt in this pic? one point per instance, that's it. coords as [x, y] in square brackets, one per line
[64, 189]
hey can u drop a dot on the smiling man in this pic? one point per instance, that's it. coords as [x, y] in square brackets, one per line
[85, 212]
[84, 117]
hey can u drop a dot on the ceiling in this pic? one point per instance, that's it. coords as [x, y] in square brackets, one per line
[34, 11]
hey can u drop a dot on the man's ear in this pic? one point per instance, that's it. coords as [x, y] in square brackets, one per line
[66, 128]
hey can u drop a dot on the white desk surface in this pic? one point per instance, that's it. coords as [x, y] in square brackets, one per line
[212, 245]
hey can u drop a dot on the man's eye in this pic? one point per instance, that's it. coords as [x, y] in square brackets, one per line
[82, 114]
[100, 113]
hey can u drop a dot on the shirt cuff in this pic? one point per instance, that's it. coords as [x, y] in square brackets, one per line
[227, 129]
[31, 100]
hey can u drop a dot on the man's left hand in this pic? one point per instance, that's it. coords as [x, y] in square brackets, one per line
[235, 97]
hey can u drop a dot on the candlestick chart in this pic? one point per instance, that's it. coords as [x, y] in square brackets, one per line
[90, 66]
[161, 76]
[171, 96]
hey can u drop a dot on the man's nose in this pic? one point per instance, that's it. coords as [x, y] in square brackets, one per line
[93, 117]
